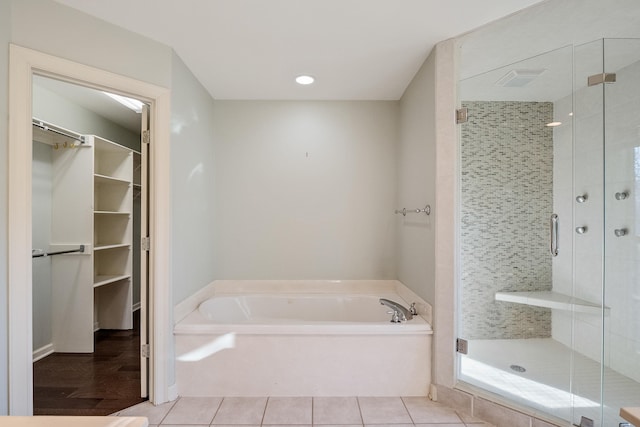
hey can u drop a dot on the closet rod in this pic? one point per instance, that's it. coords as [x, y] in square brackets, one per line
[70, 251]
[50, 128]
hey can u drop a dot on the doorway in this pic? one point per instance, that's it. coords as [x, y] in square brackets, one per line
[87, 202]
[24, 64]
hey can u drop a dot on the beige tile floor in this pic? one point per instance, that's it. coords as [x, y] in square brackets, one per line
[302, 412]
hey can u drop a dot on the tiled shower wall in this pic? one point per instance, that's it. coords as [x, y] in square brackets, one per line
[506, 201]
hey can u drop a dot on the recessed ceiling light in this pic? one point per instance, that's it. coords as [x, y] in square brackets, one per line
[553, 124]
[133, 104]
[305, 80]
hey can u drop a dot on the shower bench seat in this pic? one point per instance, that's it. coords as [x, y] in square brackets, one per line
[551, 299]
[631, 414]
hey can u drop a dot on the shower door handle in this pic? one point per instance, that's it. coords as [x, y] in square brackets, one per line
[553, 225]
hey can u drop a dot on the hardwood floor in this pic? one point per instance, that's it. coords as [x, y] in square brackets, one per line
[100, 383]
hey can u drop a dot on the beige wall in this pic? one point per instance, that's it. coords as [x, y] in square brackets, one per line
[446, 184]
[305, 189]
[427, 167]
[5, 36]
[416, 166]
[192, 177]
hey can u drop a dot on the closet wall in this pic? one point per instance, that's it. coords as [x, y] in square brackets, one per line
[53, 108]
[41, 211]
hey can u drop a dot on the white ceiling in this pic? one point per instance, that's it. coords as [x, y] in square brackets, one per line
[253, 49]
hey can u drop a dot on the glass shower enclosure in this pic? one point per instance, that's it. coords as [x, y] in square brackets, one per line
[549, 290]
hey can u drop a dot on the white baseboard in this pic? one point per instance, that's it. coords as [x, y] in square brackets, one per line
[42, 352]
[96, 326]
[433, 392]
[172, 392]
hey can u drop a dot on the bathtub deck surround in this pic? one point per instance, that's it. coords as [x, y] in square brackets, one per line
[320, 338]
[356, 287]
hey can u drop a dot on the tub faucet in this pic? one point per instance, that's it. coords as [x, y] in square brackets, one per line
[413, 309]
[399, 314]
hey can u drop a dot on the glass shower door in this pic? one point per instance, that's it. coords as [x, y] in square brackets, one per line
[606, 338]
[621, 371]
[581, 327]
[516, 165]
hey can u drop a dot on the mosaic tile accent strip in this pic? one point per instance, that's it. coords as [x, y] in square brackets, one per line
[506, 201]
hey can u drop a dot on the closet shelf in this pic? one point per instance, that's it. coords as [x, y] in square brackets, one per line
[105, 179]
[115, 246]
[550, 299]
[107, 279]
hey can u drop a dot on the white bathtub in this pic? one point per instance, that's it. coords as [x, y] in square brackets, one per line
[301, 338]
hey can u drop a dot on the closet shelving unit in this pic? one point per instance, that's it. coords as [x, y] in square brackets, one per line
[137, 232]
[112, 239]
[91, 205]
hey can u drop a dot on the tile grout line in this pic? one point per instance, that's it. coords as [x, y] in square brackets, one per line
[407, 409]
[264, 413]
[170, 409]
[217, 410]
[360, 410]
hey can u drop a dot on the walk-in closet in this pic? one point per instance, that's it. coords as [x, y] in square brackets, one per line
[86, 226]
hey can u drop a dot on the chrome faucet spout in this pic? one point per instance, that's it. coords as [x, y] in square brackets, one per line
[400, 313]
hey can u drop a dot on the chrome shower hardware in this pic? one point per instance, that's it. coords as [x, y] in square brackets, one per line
[622, 195]
[553, 225]
[619, 232]
[413, 309]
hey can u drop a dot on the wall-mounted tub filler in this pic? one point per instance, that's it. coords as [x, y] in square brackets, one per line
[399, 313]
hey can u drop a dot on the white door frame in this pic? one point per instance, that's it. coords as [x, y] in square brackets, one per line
[23, 64]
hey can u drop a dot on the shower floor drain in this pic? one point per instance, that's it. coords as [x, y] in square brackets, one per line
[518, 368]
